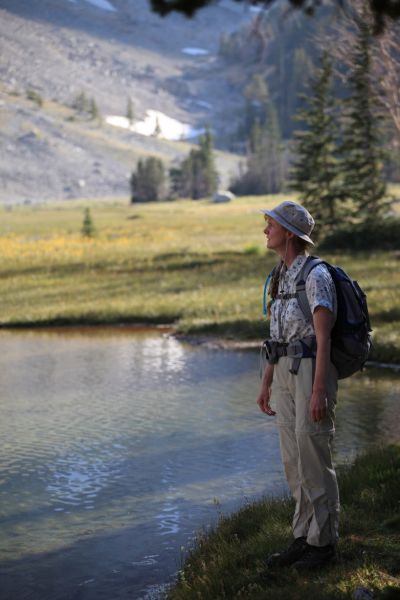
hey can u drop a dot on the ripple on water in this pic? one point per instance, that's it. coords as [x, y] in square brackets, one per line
[77, 480]
[168, 519]
[113, 449]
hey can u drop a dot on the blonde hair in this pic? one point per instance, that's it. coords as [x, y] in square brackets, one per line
[301, 247]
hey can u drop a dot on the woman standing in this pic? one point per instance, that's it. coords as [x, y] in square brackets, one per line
[300, 383]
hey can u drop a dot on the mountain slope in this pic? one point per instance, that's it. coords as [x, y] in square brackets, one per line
[53, 50]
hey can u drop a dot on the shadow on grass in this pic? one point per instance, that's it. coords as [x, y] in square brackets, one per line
[94, 319]
[236, 329]
[385, 352]
[387, 316]
[234, 264]
[235, 261]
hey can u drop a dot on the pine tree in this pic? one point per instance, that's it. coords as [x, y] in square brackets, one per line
[264, 165]
[88, 228]
[256, 95]
[93, 110]
[176, 183]
[148, 182]
[157, 128]
[257, 106]
[266, 155]
[130, 112]
[362, 150]
[314, 173]
[81, 103]
[197, 176]
[206, 155]
[299, 71]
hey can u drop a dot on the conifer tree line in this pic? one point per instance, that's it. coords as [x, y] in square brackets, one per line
[339, 165]
[195, 177]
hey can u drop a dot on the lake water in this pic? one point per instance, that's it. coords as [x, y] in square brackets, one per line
[117, 447]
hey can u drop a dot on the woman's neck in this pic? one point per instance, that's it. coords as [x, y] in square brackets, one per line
[289, 254]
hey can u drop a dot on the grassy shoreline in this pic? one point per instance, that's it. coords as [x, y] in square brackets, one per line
[195, 266]
[229, 562]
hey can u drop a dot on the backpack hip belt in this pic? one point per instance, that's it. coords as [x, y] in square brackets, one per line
[304, 348]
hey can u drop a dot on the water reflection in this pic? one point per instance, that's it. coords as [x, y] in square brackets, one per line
[114, 447]
[367, 412]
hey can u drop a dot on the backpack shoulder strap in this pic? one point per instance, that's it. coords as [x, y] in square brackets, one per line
[310, 263]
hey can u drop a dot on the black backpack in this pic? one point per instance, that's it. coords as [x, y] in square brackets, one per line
[351, 333]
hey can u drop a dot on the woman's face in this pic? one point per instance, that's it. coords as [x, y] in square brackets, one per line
[276, 235]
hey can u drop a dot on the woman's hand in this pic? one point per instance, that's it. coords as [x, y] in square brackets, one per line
[263, 403]
[263, 399]
[318, 405]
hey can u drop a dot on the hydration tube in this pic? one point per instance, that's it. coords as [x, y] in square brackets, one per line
[265, 293]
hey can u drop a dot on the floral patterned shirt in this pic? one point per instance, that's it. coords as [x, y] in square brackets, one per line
[287, 320]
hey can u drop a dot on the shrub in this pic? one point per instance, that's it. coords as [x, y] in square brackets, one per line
[35, 97]
[381, 234]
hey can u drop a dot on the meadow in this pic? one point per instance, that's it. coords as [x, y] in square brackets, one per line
[229, 561]
[197, 266]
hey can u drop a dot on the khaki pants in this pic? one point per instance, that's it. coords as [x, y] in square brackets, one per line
[306, 452]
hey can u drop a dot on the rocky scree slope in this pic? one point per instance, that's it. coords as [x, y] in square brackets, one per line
[53, 50]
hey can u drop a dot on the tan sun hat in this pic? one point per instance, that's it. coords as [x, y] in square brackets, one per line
[293, 217]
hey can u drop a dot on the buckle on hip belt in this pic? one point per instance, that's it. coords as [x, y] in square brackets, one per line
[304, 348]
[274, 350]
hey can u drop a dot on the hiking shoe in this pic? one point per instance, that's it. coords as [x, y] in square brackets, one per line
[285, 558]
[315, 557]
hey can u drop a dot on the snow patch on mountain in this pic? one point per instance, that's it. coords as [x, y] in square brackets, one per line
[195, 51]
[103, 4]
[156, 124]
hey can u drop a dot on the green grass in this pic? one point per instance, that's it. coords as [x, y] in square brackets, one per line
[195, 265]
[229, 562]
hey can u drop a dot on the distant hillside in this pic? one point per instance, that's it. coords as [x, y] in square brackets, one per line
[52, 51]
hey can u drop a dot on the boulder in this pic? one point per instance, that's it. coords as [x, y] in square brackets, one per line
[223, 196]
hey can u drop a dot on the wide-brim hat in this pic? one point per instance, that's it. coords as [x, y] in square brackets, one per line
[294, 217]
